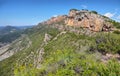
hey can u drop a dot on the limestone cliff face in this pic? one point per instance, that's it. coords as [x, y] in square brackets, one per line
[83, 18]
[87, 19]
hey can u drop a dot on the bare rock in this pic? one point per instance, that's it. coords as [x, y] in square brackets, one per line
[87, 19]
[47, 38]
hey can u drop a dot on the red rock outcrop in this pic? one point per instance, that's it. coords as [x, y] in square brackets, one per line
[83, 18]
[87, 19]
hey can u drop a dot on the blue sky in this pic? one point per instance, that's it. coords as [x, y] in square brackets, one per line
[30, 12]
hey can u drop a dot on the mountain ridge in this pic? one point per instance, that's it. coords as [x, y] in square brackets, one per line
[53, 48]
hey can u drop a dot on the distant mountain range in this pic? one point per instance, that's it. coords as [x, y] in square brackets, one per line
[8, 29]
[20, 27]
[10, 33]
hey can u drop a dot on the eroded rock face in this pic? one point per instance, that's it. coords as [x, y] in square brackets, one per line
[47, 38]
[83, 18]
[87, 19]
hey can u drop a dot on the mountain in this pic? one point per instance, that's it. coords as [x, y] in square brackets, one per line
[25, 27]
[77, 44]
[11, 33]
[8, 29]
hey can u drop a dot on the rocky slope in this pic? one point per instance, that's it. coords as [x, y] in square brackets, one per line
[12, 48]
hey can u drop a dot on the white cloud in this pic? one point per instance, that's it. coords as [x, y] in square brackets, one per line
[118, 18]
[55, 15]
[108, 14]
[84, 6]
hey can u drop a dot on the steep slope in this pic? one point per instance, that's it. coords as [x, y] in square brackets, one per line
[12, 48]
[36, 37]
[53, 48]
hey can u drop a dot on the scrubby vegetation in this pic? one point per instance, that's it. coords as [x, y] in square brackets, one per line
[36, 36]
[70, 54]
[116, 24]
[116, 32]
[71, 63]
[108, 43]
[67, 54]
[94, 12]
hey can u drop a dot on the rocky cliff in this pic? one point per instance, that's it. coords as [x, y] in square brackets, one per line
[88, 19]
[83, 18]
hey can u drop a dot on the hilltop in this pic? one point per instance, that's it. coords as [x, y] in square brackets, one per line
[77, 44]
[85, 19]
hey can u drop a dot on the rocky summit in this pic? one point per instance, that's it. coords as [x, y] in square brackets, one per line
[88, 19]
[84, 18]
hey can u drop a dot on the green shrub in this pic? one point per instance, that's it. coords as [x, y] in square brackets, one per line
[94, 12]
[74, 9]
[108, 43]
[70, 63]
[116, 32]
[116, 24]
[25, 71]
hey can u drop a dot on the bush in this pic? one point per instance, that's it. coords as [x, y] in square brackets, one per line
[108, 43]
[116, 32]
[74, 9]
[94, 12]
[25, 71]
[78, 64]
[116, 24]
